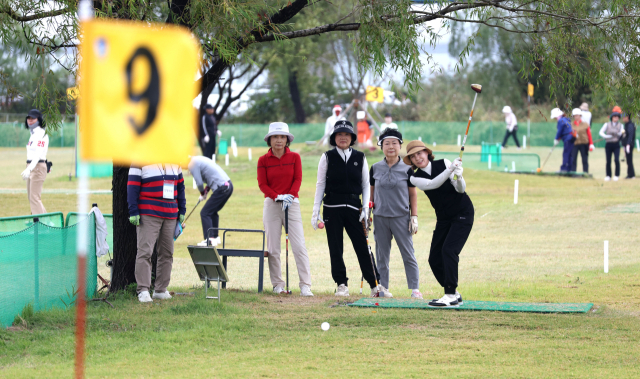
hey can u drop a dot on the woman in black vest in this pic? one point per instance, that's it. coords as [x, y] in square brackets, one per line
[442, 182]
[342, 178]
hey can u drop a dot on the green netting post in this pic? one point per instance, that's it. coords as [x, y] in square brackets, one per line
[36, 268]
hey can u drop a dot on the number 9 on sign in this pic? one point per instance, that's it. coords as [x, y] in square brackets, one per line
[137, 84]
[150, 95]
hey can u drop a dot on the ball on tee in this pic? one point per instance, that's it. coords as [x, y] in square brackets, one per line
[325, 326]
[321, 225]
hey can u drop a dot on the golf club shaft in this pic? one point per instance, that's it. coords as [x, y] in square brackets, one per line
[194, 208]
[366, 234]
[361, 283]
[286, 234]
[549, 155]
[455, 177]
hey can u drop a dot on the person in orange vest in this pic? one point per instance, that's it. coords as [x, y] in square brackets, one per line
[364, 129]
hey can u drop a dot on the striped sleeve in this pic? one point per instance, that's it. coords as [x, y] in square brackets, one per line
[133, 190]
[182, 200]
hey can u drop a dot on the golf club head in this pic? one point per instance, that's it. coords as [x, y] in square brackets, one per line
[477, 88]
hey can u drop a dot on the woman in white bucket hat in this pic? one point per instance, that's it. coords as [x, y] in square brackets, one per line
[279, 178]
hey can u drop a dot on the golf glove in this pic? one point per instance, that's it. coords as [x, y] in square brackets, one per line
[181, 218]
[202, 197]
[314, 219]
[555, 142]
[413, 225]
[455, 164]
[592, 148]
[286, 201]
[364, 217]
[458, 172]
[628, 149]
[206, 139]
[219, 133]
[26, 173]
[135, 220]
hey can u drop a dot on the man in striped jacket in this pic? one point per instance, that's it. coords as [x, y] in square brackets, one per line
[156, 198]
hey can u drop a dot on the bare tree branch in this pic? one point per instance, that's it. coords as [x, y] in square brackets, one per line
[37, 16]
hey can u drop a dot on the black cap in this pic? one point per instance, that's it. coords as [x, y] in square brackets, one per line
[390, 133]
[208, 106]
[387, 115]
[34, 113]
[342, 126]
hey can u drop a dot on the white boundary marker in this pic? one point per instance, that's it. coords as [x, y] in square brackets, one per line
[606, 257]
[515, 192]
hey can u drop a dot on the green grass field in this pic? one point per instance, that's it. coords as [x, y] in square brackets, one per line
[547, 248]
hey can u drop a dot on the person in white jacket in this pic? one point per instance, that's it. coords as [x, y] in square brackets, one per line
[36, 171]
[512, 126]
[331, 121]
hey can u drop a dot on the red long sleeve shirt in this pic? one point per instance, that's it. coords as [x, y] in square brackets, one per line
[280, 176]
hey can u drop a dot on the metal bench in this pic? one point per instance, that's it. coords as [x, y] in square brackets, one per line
[209, 267]
[224, 252]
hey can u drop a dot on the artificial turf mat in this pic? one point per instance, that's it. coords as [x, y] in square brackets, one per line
[477, 305]
[565, 174]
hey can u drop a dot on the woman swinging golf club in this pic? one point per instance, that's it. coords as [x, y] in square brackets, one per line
[396, 211]
[279, 178]
[342, 179]
[454, 213]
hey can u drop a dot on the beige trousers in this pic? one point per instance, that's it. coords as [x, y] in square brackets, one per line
[273, 219]
[150, 230]
[34, 188]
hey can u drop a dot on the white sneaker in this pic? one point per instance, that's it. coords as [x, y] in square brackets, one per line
[144, 297]
[615, 178]
[415, 294]
[212, 241]
[305, 291]
[278, 289]
[607, 178]
[446, 301]
[342, 290]
[459, 297]
[161, 295]
[380, 291]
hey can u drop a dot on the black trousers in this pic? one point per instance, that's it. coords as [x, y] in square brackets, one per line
[584, 153]
[515, 137]
[210, 148]
[337, 221]
[209, 213]
[612, 148]
[629, 157]
[448, 240]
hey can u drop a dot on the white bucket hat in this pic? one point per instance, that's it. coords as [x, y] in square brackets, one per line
[576, 112]
[556, 112]
[507, 109]
[278, 129]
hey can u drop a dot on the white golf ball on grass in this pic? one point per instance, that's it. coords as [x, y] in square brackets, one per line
[325, 326]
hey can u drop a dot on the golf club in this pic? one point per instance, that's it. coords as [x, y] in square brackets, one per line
[545, 161]
[286, 234]
[373, 266]
[478, 89]
[194, 208]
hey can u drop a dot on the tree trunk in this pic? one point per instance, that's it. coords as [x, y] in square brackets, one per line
[294, 90]
[124, 234]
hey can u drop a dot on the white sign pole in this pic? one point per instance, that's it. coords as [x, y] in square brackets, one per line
[515, 192]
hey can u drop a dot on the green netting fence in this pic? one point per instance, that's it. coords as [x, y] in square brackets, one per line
[38, 265]
[10, 225]
[74, 217]
[248, 135]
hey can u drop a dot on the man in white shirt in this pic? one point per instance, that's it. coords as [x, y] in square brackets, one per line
[586, 115]
[331, 121]
[36, 171]
[512, 126]
[388, 123]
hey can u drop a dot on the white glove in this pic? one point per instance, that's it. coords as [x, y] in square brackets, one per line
[555, 142]
[206, 139]
[364, 216]
[458, 172]
[628, 149]
[219, 133]
[26, 173]
[314, 220]
[202, 197]
[286, 201]
[455, 164]
[413, 225]
[592, 148]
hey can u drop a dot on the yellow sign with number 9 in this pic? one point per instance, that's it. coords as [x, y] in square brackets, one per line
[137, 84]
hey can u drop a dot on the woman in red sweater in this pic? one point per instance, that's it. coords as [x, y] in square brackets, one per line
[279, 178]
